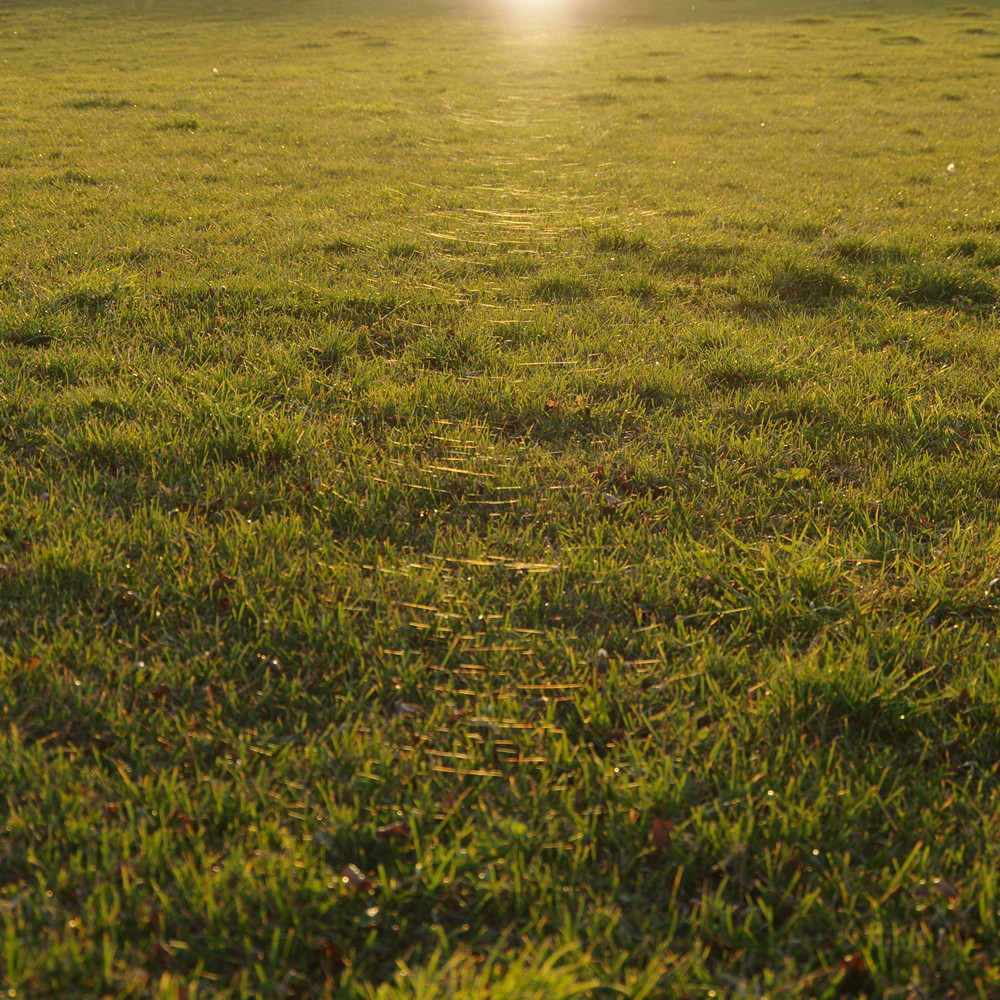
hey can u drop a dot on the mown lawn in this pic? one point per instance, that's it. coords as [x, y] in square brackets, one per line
[499, 507]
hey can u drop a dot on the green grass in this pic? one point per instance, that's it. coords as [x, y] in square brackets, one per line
[499, 509]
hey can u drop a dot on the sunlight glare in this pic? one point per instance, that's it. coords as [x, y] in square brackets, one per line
[531, 9]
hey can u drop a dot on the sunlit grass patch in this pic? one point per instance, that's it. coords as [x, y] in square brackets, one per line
[495, 508]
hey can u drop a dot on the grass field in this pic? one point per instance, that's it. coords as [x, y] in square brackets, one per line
[499, 502]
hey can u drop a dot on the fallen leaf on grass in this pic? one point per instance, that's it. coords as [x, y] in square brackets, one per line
[397, 829]
[221, 582]
[135, 980]
[160, 692]
[854, 973]
[160, 956]
[659, 833]
[408, 708]
[355, 878]
[182, 819]
[936, 887]
[331, 956]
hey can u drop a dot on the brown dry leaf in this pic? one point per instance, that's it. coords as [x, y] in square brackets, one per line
[221, 582]
[659, 833]
[331, 956]
[135, 980]
[937, 886]
[159, 956]
[551, 404]
[409, 708]
[182, 819]
[354, 877]
[397, 829]
[854, 973]
[945, 888]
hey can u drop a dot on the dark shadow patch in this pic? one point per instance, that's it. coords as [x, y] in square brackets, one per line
[365, 311]
[560, 290]
[88, 302]
[598, 98]
[333, 350]
[902, 40]
[808, 232]
[934, 285]
[341, 173]
[860, 251]
[643, 289]
[617, 241]
[696, 257]
[755, 307]
[658, 78]
[100, 102]
[402, 250]
[31, 331]
[515, 265]
[808, 284]
[341, 247]
[73, 178]
[725, 74]
[735, 371]
[964, 248]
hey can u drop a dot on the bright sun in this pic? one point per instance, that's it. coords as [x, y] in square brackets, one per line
[537, 8]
